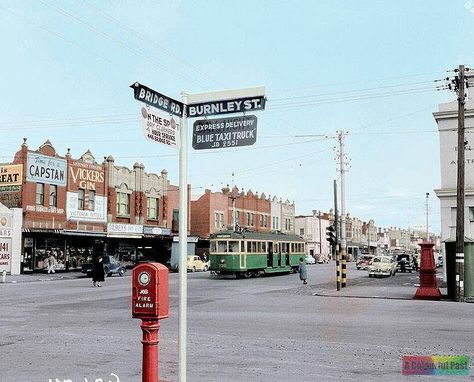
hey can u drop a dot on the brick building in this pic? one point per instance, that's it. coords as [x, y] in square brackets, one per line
[71, 204]
[213, 211]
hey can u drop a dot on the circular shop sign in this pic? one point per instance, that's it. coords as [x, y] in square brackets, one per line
[144, 278]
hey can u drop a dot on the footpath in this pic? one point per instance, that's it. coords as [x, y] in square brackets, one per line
[39, 277]
[402, 286]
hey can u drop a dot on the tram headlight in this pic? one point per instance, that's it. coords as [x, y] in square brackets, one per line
[222, 261]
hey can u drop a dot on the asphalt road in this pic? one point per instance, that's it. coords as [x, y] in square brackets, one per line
[259, 329]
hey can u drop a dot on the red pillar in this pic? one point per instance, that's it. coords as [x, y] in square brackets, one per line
[428, 289]
[150, 350]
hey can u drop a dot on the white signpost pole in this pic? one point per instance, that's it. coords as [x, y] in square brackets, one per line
[183, 241]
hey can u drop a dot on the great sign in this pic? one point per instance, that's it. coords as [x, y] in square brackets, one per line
[224, 132]
[229, 106]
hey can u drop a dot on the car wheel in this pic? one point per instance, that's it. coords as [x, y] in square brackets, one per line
[194, 269]
[206, 268]
[121, 272]
[370, 275]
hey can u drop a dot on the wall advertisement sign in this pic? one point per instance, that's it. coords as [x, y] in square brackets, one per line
[86, 176]
[10, 199]
[160, 127]
[11, 175]
[44, 169]
[125, 229]
[5, 254]
[224, 132]
[6, 234]
[99, 214]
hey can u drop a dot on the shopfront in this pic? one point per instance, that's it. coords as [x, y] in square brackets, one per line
[37, 243]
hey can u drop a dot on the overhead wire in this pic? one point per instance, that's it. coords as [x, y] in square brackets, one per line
[151, 42]
[137, 51]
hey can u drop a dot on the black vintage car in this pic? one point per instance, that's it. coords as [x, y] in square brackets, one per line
[404, 262]
[111, 266]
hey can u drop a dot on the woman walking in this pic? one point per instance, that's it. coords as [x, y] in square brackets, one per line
[302, 270]
[97, 271]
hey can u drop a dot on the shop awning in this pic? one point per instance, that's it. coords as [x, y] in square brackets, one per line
[124, 235]
[84, 233]
[42, 230]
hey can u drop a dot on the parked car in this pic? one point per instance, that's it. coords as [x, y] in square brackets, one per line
[439, 261]
[111, 266]
[404, 262]
[364, 261]
[195, 263]
[310, 259]
[382, 266]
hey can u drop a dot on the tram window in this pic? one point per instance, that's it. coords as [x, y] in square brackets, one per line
[264, 247]
[292, 247]
[233, 246]
[254, 246]
[249, 246]
[222, 246]
[213, 246]
[276, 248]
[242, 246]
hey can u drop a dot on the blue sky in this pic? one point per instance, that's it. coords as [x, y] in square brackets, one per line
[364, 67]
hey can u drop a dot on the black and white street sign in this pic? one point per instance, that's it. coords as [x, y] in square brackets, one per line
[224, 132]
[160, 127]
[229, 106]
[153, 98]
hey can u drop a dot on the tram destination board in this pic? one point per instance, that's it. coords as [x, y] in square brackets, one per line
[224, 132]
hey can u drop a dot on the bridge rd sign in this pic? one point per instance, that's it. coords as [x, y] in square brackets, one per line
[224, 132]
[153, 98]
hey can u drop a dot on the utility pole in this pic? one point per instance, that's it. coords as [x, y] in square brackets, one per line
[460, 188]
[342, 162]
[336, 247]
[427, 212]
[234, 194]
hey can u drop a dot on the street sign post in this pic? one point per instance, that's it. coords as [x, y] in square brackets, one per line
[192, 106]
[224, 132]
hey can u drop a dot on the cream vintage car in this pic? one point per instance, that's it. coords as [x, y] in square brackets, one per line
[194, 263]
[382, 266]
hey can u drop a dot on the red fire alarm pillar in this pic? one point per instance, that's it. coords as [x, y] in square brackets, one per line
[428, 289]
[150, 303]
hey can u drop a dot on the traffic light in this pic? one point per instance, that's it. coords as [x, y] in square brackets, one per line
[331, 234]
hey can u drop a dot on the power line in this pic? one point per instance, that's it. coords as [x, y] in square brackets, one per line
[136, 51]
[143, 37]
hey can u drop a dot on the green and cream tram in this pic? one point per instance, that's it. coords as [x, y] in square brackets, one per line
[248, 253]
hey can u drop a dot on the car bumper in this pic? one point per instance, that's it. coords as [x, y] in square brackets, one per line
[385, 272]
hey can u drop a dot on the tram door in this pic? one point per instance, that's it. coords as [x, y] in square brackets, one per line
[270, 254]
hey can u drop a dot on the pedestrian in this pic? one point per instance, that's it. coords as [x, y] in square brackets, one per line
[415, 263]
[97, 271]
[51, 263]
[302, 270]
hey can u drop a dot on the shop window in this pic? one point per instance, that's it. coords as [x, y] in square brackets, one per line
[471, 214]
[91, 200]
[53, 195]
[152, 208]
[80, 199]
[123, 204]
[40, 194]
